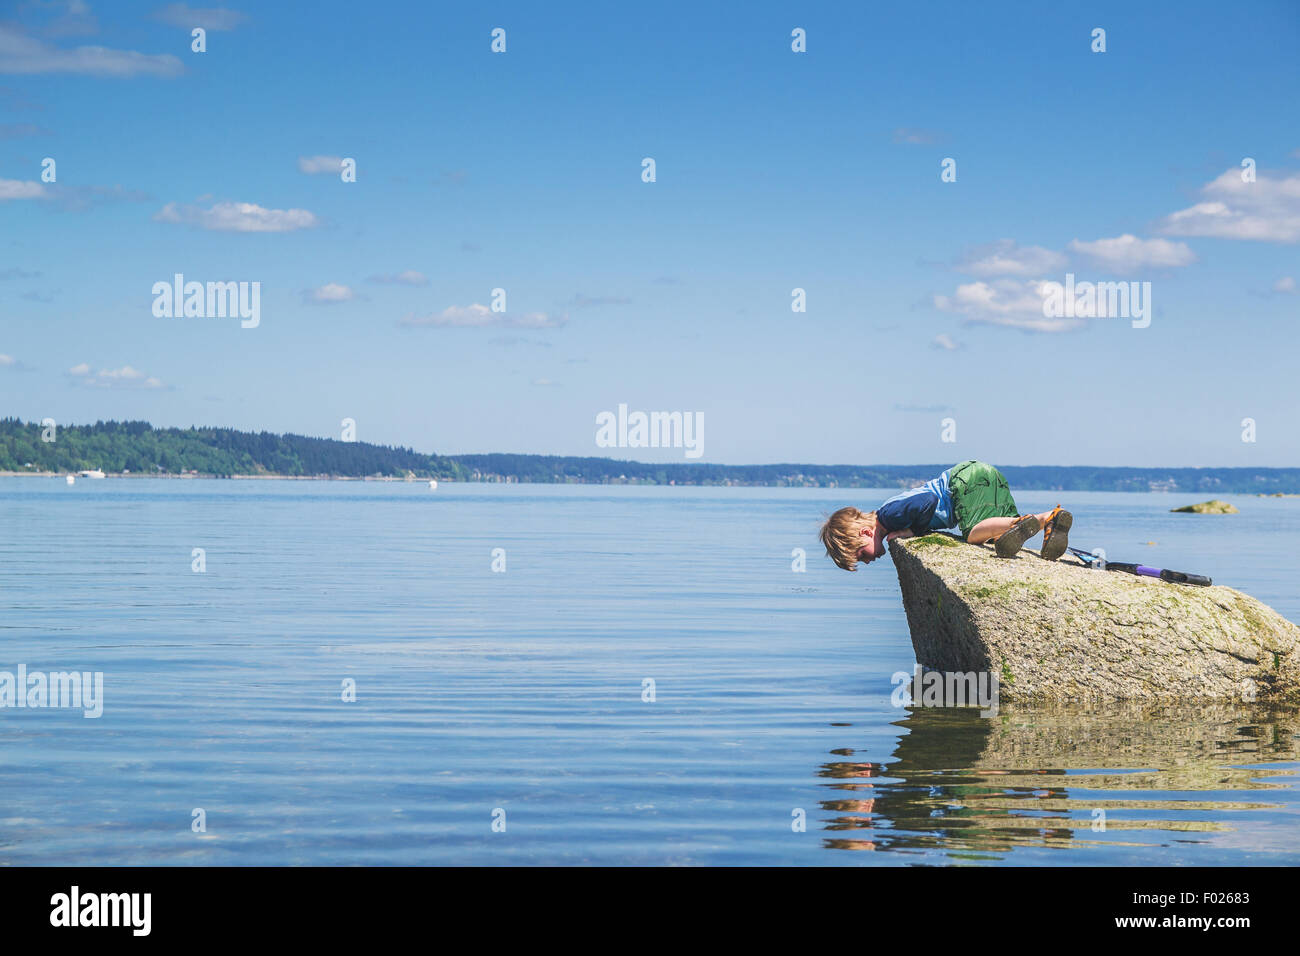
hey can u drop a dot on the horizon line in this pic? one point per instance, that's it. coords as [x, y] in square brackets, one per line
[633, 461]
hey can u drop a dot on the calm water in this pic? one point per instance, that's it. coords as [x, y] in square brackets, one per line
[522, 690]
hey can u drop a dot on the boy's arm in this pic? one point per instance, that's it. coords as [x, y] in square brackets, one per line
[905, 533]
[909, 513]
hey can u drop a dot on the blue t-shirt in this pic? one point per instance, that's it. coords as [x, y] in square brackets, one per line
[923, 509]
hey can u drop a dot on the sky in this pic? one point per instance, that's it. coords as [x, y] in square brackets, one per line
[923, 337]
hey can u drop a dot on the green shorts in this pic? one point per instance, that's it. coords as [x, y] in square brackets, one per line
[979, 491]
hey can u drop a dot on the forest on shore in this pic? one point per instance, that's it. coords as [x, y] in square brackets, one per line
[137, 448]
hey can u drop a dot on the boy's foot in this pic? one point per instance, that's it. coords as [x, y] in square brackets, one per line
[1056, 534]
[1013, 539]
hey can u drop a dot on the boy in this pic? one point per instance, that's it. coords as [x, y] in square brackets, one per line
[971, 496]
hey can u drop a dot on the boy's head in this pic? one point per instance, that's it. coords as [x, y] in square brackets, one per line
[846, 533]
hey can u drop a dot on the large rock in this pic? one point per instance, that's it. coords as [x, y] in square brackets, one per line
[1060, 630]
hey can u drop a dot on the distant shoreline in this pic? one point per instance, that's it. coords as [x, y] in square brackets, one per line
[194, 477]
[136, 449]
[511, 480]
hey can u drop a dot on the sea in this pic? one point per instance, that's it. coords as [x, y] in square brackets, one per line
[382, 673]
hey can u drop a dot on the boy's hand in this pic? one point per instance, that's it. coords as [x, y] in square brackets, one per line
[906, 533]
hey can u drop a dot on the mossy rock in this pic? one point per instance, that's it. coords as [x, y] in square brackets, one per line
[1211, 507]
[1061, 630]
[936, 541]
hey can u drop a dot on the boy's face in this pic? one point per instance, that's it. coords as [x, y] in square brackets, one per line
[871, 548]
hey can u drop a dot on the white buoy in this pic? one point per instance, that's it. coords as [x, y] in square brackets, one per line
[72, 480]
[433, 484]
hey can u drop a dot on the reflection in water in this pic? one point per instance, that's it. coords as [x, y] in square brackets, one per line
[1050, 776]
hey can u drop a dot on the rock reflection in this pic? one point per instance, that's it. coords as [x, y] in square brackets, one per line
[1053, 775]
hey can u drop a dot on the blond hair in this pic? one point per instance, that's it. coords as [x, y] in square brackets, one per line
[842, 535]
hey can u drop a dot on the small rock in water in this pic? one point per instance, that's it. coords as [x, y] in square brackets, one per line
[1211, 507]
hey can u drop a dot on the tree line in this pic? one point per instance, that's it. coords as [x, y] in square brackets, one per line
[138, 448]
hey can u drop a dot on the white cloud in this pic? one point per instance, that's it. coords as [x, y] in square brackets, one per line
[945, 342]
[315, 165]
[331, 292]
[544, 382]
[480, 316]
[916, 137]
[23, 54]
[124, 377]
[210, 18]
[1266, 210]
[126, 373]
[238, 217]
[7, 361]
[1005, 258]
[1128, 253]
[1009, 302]
[21, 189]
[1285, 285]
[407, 277]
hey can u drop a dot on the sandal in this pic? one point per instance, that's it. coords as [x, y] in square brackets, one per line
[1056, 534]
[1013, 539]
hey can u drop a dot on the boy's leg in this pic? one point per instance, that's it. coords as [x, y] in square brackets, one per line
[990, 528]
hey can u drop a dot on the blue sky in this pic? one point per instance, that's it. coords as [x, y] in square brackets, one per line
[775, 170]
